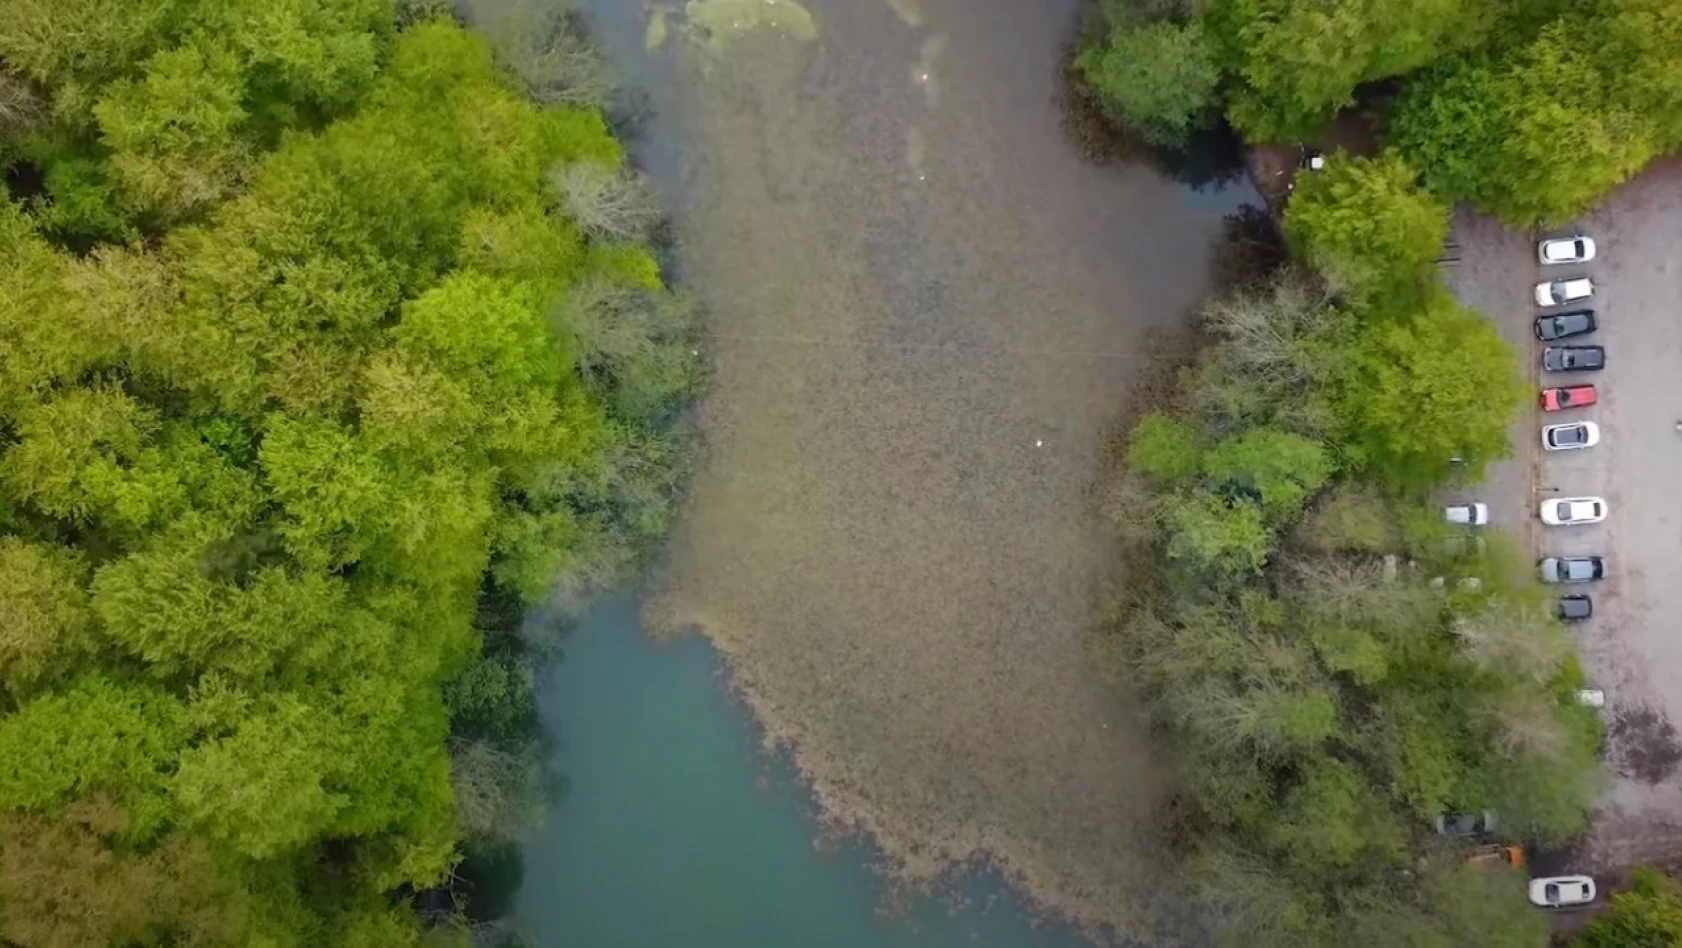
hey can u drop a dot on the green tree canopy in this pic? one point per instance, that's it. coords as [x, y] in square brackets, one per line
[1369, 228]
[288, 404]
[1414, 393]
[1299, 61]
[1160, 79]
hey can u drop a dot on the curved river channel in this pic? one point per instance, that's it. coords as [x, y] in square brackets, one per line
[925, 314]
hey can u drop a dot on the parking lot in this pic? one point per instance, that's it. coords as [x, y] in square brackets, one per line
[1632, 647]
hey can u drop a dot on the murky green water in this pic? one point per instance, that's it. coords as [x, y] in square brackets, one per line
[677, 832]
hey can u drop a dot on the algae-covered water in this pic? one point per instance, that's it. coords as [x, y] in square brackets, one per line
[925, 314]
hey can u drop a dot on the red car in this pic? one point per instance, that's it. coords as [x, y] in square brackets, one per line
[1572, 396]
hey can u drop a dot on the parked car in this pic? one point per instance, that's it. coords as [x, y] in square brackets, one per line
[1572, 569]
[1466, 824]
[1591, 697]
[1573, 359]
[1578, 249]
[1578, 322]
[1568, 396]
[1558, 292]
[1574, 608]
[1509, 856]
[1470, 514]
[1570, 436]
[1573, 511]
[1561, 891]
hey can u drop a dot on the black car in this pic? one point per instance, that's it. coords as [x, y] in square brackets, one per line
[1578, 322]
[1573, 359]
[1574, 608]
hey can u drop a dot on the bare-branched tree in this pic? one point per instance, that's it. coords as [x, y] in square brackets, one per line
[607, 203]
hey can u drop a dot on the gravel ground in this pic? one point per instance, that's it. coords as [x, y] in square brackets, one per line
[1632, 648]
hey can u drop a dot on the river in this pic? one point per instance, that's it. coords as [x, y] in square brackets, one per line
[925, 315]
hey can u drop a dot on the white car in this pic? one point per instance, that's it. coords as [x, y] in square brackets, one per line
[1570, 436]
[1577, 249]
[1560, 891]
[1558, 292]
[1571, 511]
[1467, 515]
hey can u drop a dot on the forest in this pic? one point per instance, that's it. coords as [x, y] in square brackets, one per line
[1529, 109]
[330, 341]
[1334, 666]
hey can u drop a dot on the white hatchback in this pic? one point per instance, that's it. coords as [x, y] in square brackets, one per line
[1571, 511]
[1577, 249]
[1570, 436]
[1560, 891]
[1558, 292]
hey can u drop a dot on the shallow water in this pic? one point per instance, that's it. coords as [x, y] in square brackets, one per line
[678, 832]
[925, 315]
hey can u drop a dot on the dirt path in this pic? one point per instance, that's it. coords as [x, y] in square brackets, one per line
[926, 314]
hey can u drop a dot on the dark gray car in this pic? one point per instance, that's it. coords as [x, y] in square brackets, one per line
[1574, 608]
[1466, 824]
[1573, 359]
[1578, 322]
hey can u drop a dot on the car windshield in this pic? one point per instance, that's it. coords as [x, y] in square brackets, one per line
[1552, 892]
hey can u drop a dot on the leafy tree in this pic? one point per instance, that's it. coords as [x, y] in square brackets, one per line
[1280, 469]
[353, 363]
[1368, 228]
[1349, 518]
[1165, 448]
[1536, 137]
[64, 887]
[1412, 394]
[1159, 79]
[1218, 536]
[1648, 915]
[56, 42]
[95, 738]
[175, 134]
[1299, 61]
[44, 620]
[1332, 819]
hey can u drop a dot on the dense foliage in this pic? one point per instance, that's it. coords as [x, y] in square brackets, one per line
[322, 351]
[1648, 915]
[1368, 228]
[1539, 130]
[1528, 108]
[1335, 666]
